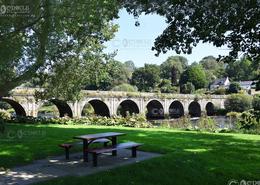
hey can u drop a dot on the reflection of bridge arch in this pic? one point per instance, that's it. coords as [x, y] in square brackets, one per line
[210, 109]
[63, 107]
[154, 110]
[194, 109]
[100, 108]
[176, 109]
[18, 108]
[127, 107]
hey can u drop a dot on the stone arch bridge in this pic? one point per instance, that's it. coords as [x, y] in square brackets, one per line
[109, 103]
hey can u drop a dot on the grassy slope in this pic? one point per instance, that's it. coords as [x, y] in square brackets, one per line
[190, 157]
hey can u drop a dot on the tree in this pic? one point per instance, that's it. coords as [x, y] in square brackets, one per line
[223, 23]
[241, 70]
[49, 37]
[146, 78]
[125, 87]
[238, 102]
[256, 102]
[172, 68]
[195, 75]
[214, 69]
[234, 87]
[187, 88]
[166, 87]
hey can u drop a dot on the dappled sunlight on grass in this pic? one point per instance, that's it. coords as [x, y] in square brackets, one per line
[190, 157]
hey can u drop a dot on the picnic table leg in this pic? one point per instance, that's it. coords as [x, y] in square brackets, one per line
[114, 142]
[85, 150]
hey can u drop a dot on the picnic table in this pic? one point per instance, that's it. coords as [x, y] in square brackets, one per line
[90, 138]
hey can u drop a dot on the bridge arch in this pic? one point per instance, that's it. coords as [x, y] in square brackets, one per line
[126, 107]
[155, 110]
[48, 109]
[176, 109]
[210, 109]
[100, 108]
[63, 107]
[194, 109]
[18, 108]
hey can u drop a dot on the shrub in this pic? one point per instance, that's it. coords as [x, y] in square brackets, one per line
[207, 123]
[187, 88]
[256, 102]
[125, 87]
[4, 114]
[238, 103]
[248, 120]
[166, 87]
[234, 87]
[220, 91]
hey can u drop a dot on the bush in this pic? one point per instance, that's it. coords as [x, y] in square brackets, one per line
[248, 120]
[129, 121]
[166, 87]
[256, 102]
[187, 88]
[234, 87]
[238, 103]
[207, 123]
[4, 114]
[125, 87]
[220, 91]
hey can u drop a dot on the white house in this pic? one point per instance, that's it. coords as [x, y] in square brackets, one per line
[222, 82]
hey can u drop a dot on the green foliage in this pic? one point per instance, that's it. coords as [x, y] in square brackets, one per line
[146, 78]
[256, 102]
[216, 22]
[45, 42]
[220, 91]
[172, 68]
[4, 115]
[221, 112]
[135, 120]
[125, 87]
[234, 87]
[248, 120]
[166, 87]
[194, 74]
[241, 70]
[214, 69]
[207, 124]
[238, 102]
[187, 88]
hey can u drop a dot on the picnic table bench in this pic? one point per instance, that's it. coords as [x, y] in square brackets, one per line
[96, 151]
[67, 146]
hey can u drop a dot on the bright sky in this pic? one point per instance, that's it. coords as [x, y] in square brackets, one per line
[135, 43]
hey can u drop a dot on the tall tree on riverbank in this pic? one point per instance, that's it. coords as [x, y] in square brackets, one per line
[48, 36]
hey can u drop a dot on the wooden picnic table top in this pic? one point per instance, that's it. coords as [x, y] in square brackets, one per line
[99, 135]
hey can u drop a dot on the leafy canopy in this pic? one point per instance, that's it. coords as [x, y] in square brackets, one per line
[233, 23]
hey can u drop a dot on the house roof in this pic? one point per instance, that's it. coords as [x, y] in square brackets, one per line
[220, 81]
[246, 83]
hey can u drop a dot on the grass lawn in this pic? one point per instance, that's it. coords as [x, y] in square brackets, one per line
[190, 157]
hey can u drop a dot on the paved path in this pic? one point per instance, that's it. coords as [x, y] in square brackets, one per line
[54, 167]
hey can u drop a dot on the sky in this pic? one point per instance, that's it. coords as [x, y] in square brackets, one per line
[135, 43]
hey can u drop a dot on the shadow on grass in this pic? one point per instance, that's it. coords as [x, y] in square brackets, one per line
[190, 157]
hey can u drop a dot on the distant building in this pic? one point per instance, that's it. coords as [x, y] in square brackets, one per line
[246, 85]
[222, 82]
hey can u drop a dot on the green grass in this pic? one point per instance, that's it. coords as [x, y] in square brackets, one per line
[189, 157]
